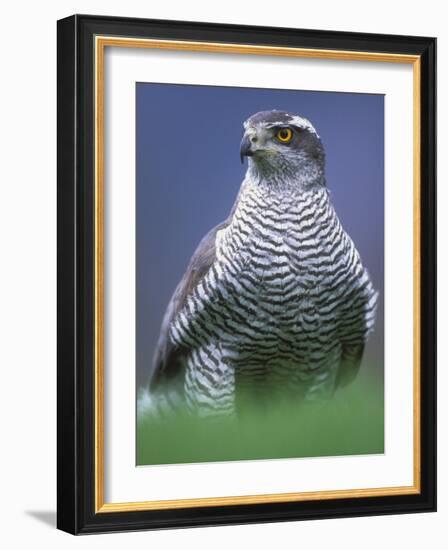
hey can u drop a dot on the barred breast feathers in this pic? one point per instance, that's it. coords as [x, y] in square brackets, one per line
[293, 242]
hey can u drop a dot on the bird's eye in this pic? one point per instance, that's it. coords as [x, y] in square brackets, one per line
[284, 135]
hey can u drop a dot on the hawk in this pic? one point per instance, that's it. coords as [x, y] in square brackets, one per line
[275, 302]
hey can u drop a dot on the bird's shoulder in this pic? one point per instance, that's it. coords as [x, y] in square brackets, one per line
[168, 358]
[201, 261]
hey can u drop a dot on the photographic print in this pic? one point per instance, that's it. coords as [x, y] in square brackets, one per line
[259, 273]
[246, 274]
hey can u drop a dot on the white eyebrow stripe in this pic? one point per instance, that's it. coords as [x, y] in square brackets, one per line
[294, 120]
[303, 123]
[273, 124]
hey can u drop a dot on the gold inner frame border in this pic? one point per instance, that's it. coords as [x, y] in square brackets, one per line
[100, 44]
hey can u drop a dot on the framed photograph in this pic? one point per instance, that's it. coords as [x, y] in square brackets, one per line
[246, 274]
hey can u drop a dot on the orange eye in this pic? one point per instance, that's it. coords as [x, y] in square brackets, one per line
[284, 135]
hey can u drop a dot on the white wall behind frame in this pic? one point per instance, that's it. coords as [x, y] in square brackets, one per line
[27, 226]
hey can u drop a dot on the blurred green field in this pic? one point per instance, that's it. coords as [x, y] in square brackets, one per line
[351, 423]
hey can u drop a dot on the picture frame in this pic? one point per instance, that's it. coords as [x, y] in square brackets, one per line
[82, 240]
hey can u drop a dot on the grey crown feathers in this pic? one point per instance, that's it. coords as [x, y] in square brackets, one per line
[275, 302]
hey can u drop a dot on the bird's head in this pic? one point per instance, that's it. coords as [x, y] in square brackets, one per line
[283, 148]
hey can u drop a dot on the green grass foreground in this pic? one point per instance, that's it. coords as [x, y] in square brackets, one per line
[352, 423]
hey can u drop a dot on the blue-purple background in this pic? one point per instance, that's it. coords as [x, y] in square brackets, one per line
[189, 172]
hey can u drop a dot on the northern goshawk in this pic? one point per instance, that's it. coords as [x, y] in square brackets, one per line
[275, 302]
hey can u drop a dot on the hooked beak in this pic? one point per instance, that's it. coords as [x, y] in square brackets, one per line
[245, 148]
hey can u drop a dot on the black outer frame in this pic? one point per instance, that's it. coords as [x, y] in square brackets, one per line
[75, 404]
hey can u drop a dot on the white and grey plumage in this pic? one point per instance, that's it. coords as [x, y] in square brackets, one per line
[275, 301]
